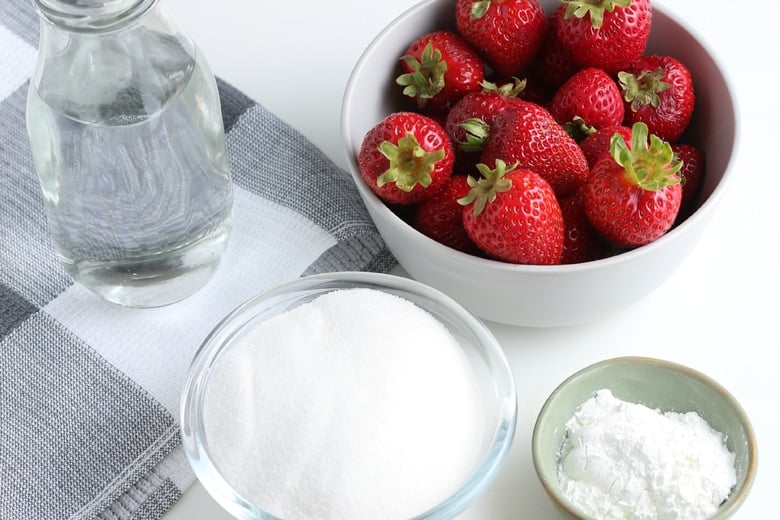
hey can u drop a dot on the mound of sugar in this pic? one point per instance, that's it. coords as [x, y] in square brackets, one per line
[358, 404]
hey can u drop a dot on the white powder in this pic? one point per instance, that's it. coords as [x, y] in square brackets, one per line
[356, 405]
[626, 461]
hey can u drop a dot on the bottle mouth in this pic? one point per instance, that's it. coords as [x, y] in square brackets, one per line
[92, 16]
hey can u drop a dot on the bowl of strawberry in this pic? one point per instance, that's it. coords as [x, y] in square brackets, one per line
[543, 162]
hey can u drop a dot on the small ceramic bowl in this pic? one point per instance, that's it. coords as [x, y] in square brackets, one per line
[495, 386]
[530, 295]
[656, 384]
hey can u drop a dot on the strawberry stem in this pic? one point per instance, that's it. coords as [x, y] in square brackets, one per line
[506, 90]
[650, 167]
[410, 164]
[477, 134]
[642, 89]
[484, 191]
[427, 76]
[578, 129]
[594, 8]
[479, 8]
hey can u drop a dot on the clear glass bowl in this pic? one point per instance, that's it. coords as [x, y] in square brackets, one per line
[497, 387]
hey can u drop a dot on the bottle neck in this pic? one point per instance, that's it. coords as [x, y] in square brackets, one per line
[92, 16]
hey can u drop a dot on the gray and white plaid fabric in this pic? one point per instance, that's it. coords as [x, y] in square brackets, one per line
[89, 392]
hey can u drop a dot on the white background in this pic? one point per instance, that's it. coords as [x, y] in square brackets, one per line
[716, 313]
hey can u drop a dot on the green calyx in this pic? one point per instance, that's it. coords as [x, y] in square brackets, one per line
[512, 89]
[642, 89]
[427, 76]
[578, 129]
[477, 134]
[410, 164]
[650, 167]
[594, 8]
[484, 191]
[479, 8]
[477, 130]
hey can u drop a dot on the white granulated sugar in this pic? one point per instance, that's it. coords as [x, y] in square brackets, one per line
[356, 405]
[623, 460]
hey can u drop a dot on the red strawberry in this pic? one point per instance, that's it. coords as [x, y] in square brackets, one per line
[581, 243]
[659, 92]
[527, 134]
[591, 95]
[441, 216]
[607, 34]
[440, 68]
[692, 171]
[513, 215]
[553, 65]
[482, 105]
[468, 121]
[507, 33]
[633, 195]
[406, 158]
[597, 144]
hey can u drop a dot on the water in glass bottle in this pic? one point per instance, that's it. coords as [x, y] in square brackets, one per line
[126, 134]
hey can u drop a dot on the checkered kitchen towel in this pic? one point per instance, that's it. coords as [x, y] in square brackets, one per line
[89, 392]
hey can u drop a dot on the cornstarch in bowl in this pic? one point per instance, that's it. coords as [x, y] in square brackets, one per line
[623, 460]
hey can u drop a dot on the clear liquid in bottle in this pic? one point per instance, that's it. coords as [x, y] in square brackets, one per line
[132, 165]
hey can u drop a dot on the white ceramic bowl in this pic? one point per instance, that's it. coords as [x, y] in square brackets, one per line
[527, 295]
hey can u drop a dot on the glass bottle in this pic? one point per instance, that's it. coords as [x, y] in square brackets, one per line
[126, 133]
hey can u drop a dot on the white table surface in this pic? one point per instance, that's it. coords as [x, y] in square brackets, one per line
[715, 313]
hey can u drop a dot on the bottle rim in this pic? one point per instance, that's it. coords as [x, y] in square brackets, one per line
[92, 16]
